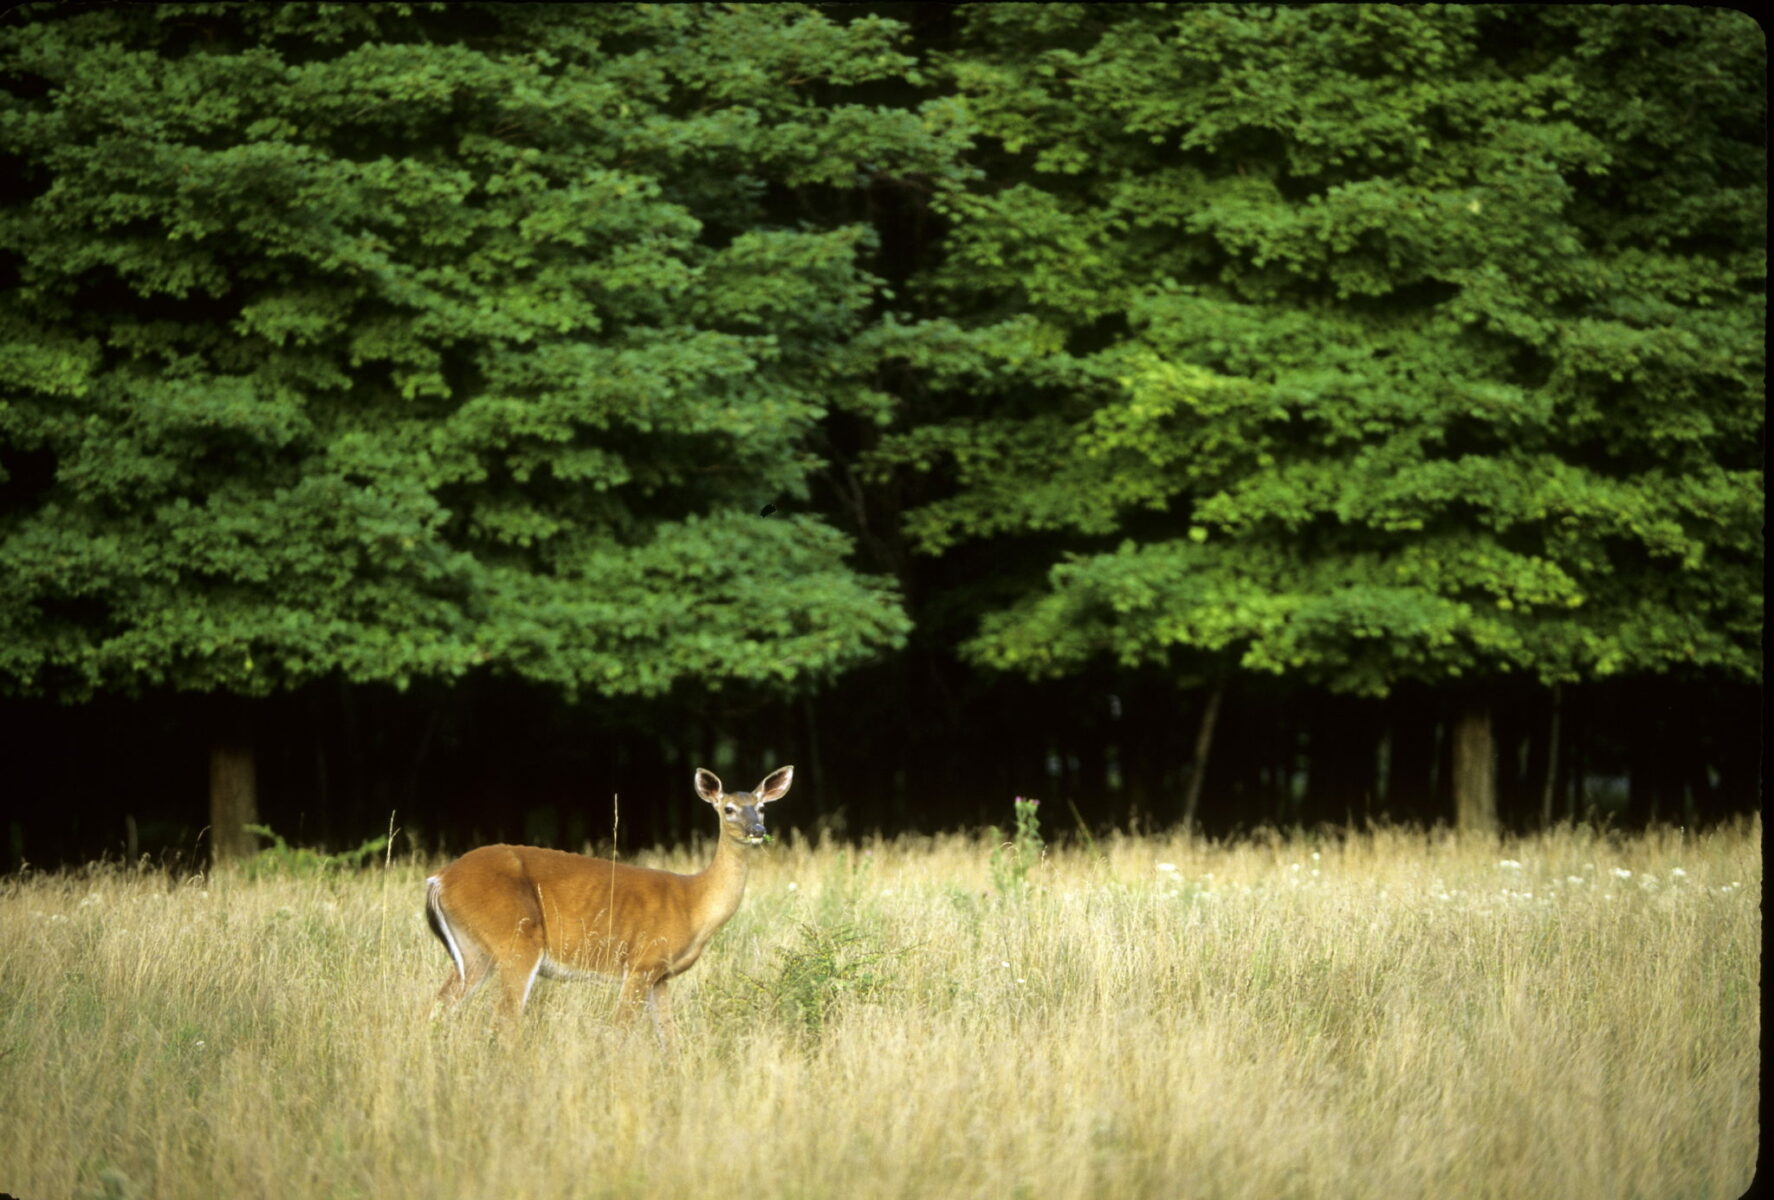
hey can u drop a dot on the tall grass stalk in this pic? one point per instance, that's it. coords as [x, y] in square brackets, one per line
[1564, 1016]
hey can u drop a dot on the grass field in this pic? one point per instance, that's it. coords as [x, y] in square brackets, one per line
[1394, 1015]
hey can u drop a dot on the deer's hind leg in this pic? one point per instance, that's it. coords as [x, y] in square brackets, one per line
[501, 935]
[469, 961]
[518, 960]
[461, 983]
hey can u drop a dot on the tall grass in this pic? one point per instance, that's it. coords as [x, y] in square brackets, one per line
[1565, 1016]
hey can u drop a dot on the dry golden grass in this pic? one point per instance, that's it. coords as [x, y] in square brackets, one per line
[1387, 1016]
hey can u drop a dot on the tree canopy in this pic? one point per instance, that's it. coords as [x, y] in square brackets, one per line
[392, 340]
[945, 362]
[1359, 344]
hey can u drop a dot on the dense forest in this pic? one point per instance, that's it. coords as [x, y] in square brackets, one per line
[1215, 414]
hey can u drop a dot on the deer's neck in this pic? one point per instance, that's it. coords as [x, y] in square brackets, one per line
[723, 882]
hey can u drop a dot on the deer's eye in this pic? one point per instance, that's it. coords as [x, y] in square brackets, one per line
[731, 811]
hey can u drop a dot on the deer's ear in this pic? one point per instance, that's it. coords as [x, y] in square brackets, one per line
[775, 785]
[708, 786]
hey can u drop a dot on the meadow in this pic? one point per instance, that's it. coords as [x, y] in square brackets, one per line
[1391, 1014]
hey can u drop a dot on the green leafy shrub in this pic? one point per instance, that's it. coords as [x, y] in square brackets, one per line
[831, 966]
[1013, 857]
[281, 858]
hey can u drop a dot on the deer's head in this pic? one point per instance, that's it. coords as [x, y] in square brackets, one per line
[742, 813]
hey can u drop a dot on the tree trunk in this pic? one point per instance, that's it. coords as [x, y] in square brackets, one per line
[810, 726]
[1411, 765]
[1475, 770]
[1737, 752]
[233, 802]
[1653, 783]
[1203, 746]
[1549, 791]
[1341, 738]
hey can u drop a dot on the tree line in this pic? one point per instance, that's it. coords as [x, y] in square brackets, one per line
[1209, 413]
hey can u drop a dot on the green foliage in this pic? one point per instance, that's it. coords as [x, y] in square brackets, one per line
[281, 858]
[1012, 858]
[833, 965]
[1356, 344]
[404, 341]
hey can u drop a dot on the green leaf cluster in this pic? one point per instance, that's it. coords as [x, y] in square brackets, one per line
[397, 341]
[302, 862]
[1356, 344]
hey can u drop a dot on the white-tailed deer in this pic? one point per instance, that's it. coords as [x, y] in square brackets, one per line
[521, 911]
